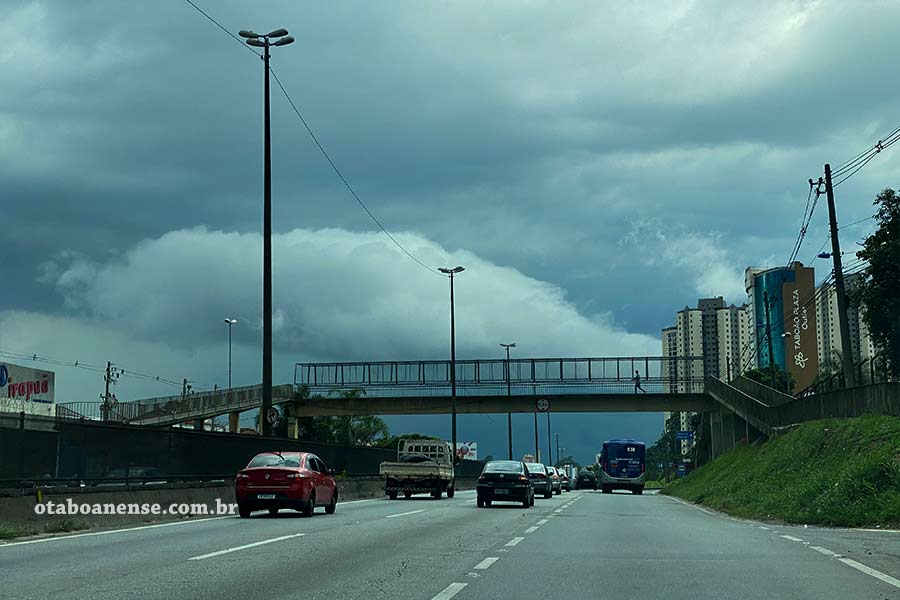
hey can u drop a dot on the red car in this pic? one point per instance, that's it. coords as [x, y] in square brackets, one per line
[276, 480]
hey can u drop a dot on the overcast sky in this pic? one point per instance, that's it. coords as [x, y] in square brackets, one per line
[594, 166]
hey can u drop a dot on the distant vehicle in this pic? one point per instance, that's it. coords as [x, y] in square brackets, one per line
[539, 479]
[623, 466]
[528, 458]
[553, 474]
[564, 483]
[504, 480]
[276, 480]
[585, 480]
[422, 467]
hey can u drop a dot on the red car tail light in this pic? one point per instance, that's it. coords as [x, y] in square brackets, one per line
[522, 478]
[296, 476]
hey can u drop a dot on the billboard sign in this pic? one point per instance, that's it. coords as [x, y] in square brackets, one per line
[23, 389]
[801, 351]
[467, 450]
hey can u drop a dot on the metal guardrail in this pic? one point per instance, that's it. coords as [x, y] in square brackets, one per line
[868, 371]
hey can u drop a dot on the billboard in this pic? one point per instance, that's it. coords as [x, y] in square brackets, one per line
[26, 389]
[801, 351]
[467, 450]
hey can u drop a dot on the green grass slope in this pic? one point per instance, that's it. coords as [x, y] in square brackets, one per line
[841, 472]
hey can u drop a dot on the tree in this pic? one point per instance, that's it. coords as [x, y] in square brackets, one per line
[568, 461]
[879, 290]
[784, 381]
[362, 430]
[391, 441]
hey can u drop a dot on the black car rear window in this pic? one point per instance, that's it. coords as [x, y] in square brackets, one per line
[503, 466]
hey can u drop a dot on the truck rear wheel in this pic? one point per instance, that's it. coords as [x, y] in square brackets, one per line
[451, 491]
[436, 494]
[392, 495]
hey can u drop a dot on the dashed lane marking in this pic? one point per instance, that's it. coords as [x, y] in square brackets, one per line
[514, 542]
[542, 521]
[824, 551]
[487, 562]
[792, 538]
[450, 591]
[403, 514]
[531, 529]
[245, 546]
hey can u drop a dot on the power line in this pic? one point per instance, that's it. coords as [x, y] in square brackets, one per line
[343, 179]
[220, 26]
[849, 168]
[318, 144]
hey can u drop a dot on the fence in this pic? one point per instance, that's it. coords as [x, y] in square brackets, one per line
[869, 371]
[64, 448]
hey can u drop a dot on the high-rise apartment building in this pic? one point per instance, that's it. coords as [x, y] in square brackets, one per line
[829, 332]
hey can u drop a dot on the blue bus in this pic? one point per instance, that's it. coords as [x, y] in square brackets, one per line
[623, 466]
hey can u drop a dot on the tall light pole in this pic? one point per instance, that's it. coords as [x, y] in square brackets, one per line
[557, 448]
[508, 395]
[229, 322]
[281, 38]
[451, 273]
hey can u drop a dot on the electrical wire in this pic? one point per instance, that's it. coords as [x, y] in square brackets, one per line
[319, 145]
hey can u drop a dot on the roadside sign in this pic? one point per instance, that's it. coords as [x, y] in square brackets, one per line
[682, 470]
[684, 435]
[542, 405]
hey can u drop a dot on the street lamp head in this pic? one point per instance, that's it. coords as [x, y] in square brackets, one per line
[823, 255]
[511, 345]
[248, 34]
[277, 33]
[231, 321]
[449, 271]
[256, 43]
[284, 41]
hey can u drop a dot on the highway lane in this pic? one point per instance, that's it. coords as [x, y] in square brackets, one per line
[577, 545]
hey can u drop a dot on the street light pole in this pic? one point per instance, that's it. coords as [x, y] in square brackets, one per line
[557, 448]
[451, 273]
[508, 395]
[263, 41]
[230, 322]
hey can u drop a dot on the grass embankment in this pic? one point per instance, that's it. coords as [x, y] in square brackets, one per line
[840, 472]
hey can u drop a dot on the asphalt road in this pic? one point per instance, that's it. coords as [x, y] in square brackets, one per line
[577, 545]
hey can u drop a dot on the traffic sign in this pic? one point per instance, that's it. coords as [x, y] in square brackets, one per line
[684, 435]
[682, 470]
[542, 404]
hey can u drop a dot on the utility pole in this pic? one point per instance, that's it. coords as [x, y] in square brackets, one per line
[107, 380]
[840, 292]
[557, 448]
[769, 341]
[537, 446]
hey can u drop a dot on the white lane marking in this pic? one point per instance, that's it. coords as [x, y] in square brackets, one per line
[824, 551]
[542, 521]
[343, 502]
[531, 529]
[550, 516]
[245, 546]
[450, 591]
[472, 500]
[792, 538]
[403, 514]
[558, 510]
[764, 527]
[514, 542]
[870, 571]
[487, 562]
[107, 532]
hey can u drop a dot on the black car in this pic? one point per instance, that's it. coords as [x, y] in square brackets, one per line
[506, 481]
[539, 479]
[585, 481]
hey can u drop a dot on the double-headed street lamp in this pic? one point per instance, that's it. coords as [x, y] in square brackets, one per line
[281, 38]
[508, 395]
[451, 273]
